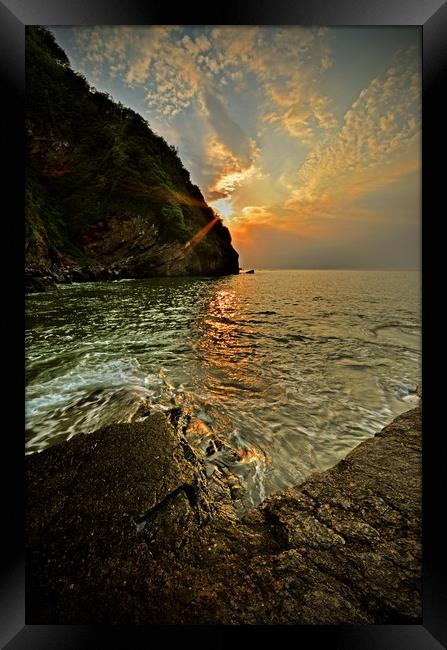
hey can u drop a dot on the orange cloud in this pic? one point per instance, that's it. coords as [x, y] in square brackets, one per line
[378, 143]
[287, 62]
[251, 220]
[255, 240]
[231, 171]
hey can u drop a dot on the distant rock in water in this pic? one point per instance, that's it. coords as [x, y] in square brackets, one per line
[106, 198]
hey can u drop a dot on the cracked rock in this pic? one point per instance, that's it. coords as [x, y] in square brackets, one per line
[123, 526]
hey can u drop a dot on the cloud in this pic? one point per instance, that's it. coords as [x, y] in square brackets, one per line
[196, 46]
[264, 243]
[256, 214]
[288, 64]
[383, 230]
[175, 64]
[229, 154]
[145, 48]
[226, 129]
[195, 81]
[228, 169]
[378, 142]
[104, 49]
[181, 69]
[349, 245]
[348, 198]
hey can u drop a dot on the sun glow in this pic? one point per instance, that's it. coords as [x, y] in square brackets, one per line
[223, 206]
[305, 156]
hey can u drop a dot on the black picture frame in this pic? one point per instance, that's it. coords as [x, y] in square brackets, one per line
[431, 16]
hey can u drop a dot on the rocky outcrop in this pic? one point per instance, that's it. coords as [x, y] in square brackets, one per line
[158, 260]
[105, 197]
[119, 252]
[123, 526]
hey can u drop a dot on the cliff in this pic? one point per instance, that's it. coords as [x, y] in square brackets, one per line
[106, 197]
[123, 526]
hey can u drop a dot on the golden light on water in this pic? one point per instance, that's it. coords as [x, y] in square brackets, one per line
[222, 346]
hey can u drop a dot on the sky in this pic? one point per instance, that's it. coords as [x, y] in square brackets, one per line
[307, 141]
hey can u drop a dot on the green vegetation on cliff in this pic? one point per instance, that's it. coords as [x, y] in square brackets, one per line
[101, 187]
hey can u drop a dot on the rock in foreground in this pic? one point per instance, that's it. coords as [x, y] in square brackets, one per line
[122, 527]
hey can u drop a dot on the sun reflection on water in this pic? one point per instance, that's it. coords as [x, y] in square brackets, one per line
[226, 345]
[296, 366]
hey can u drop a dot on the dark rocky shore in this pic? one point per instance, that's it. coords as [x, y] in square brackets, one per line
[123, 526]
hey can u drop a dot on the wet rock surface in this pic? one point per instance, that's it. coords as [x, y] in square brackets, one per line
[125, 526]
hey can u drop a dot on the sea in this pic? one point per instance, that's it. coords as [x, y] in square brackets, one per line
[290, 368]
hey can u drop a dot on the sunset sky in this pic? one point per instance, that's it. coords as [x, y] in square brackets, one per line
[307, 141]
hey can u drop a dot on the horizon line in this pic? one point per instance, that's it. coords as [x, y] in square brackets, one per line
[330, 268]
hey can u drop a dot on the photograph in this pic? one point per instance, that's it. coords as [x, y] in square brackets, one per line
[220, 251]
[223, 318]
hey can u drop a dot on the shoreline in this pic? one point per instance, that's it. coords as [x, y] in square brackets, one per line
[123, 526]
[49, 281]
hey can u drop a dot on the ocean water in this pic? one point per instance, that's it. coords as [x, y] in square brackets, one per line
[291, 368]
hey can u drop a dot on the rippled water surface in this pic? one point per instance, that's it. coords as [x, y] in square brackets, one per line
[296, 366]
